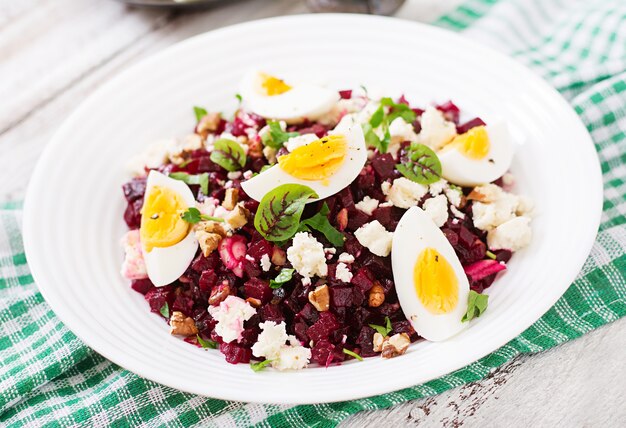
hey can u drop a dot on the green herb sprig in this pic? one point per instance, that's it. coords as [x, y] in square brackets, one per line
[206, 344]
[283, 277]
[320, 223]
[200, 112]
[276, 137]
[201, 180]
[165, 310]
[476, 305]
[193, 216]
[352, 354]
[257, 367]
[384, 331]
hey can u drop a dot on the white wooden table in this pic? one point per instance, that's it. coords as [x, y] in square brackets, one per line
[54, 53]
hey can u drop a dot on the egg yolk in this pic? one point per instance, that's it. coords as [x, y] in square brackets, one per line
[318, 160]
[273, 85]
[435, 282]
[161, 222]
[474, 143]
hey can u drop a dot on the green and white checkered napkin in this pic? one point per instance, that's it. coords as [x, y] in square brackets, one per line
[48, 377]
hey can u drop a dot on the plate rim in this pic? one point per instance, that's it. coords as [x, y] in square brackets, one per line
[29, 213]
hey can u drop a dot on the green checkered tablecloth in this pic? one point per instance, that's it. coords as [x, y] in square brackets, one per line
[48, 377]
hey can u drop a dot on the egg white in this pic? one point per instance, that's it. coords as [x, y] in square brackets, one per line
[415, 232]
[302, 101]
[166, 264]
[356, 156]
[464, 171]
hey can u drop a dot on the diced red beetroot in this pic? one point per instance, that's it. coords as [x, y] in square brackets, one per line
[341, 297]
[364, 340]
[134, 189]
[271, 312]
[182, 304]
[347, 201]
[366, 178]
[300, 329]
[358, 296]
[249, 336]
[379, 267]
[316, 128]
[141, 285]
[322, 352]
[235, 353]
[403, 100]
[259, 248]
[403, 326]
[232, 252]
[208, 279]
[468, 246]
[357, 219]
[363, 279]
[258, 288]
[326, 324]
[158, 296]
[251, 269]
[385, 166]
[132, 215]
[483, 268]
[345, 94]
[463, 128]
[388, 216]
[388, 309]
[450, 111]
[308, 314]
[353, 246]
[201, 263]
[503, 255]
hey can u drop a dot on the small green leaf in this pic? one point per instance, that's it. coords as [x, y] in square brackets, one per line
[201, 180]
[371, 139]
[257, 367]
[377, 117]
[491, 255]
[282, 278]
[384, 331]
[193, 216]
[200, 112]
[352, 354]
[165, 310]
[278, 215]
[476, 305]
[423, 165]
[276, 137]
[206, 344]
[320, 223]
[228, 154]
[398, 110]
[239, 98]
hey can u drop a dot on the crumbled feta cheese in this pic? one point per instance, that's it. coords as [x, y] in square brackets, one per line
[270, 154]
[454, 195]
[489, 192]
[249, 258]
[234, 175]
[437, 187]
[299, 141]
[437, 209]
[207, 207]
[489, 215]
[370, 154]
[187, 144]
[330, 250]
[375, 238]
[508, 180]
[307, 255]
[134, 266]
[266, 263]
[343, 273]
[155, 155]
[306, 281]
[248, 174]
[385, 186]
[386, 204]
[511, 235]
[340, 109]
[230, 316]
[525, 205]
[400, 131]
[456, 212]
[367, 205]
[405, 193]
[436, 130]
[346, 258]
[272, 345]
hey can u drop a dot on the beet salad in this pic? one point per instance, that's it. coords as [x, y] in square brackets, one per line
[314, 226]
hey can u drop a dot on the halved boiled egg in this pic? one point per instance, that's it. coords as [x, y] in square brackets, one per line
[169, 245]
[432, 287]
[273, 98]
[481, 155]
[326, 165]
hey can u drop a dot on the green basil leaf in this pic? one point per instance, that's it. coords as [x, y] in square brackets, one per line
[283, 277]
[320, 223]
[200, 112]
[423, 165]
[279, 212]
[199, 179]
[476, 305]
[193, 216]
[228, 154]
[352, 354]
[276, 137]
[206, 344]
[384, 331]
[165, 310]
[257, 367]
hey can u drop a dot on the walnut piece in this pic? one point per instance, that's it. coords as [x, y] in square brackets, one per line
[182, 325]
[230, 199]
[378, 341]
[238, 217]
[396, 345]
[255, 303]
[209, 234]
[279, 258]
[342, 218]
[376, 295]
[219, 294]
[208, 123]
[320, 298]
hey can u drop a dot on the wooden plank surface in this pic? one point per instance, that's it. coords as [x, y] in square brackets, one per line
[54, 53]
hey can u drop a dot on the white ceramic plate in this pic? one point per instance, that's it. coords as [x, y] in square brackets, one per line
[73, 212]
